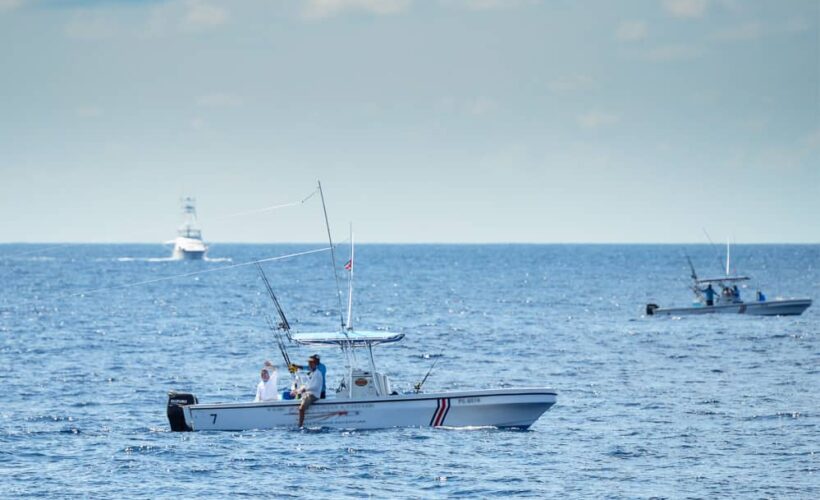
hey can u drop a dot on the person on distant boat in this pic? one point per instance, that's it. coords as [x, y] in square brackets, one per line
[319, 366]
[760, 296]
[710, 295]
[311, 390]
[736, 293]
[266, 389]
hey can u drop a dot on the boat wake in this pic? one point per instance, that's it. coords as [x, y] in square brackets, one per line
[143, 259]
[217, 259]
[167, 259]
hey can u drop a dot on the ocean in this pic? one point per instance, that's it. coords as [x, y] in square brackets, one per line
[717, 406]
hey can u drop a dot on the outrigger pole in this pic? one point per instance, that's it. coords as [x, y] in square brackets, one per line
[333, 260]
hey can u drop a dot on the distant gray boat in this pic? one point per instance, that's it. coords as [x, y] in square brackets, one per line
[709, 301]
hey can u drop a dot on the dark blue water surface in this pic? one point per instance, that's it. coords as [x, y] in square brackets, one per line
[701, 406]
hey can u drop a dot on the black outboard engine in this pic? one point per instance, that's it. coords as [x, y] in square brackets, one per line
[176, 400]
[650, 309]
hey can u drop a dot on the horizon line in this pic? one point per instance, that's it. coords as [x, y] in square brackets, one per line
[466, 243]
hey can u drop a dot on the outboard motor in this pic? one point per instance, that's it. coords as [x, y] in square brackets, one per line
[176, 417]
[650, 309]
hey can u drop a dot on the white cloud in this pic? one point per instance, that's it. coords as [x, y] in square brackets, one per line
[812, 140]
[89, 112]
[755, 124]
[487, 4]
[91, 25]
[183, 15]
[631, 31]
[743, 32]
[482, 106]
[318, 9]
[200, 15]
[198, 123]
[685, 8]
[796, 25]
[219, 100]
[572, 83]
[10, 4]
[667, 53]
[597, 119]
[467, 106]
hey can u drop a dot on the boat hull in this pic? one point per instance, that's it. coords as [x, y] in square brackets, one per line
[189, 249]
[180, 254]
[504, 408]
[791, 307]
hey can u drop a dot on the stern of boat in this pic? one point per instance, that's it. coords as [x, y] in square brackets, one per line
[177, 401]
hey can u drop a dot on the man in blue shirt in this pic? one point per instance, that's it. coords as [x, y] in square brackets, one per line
[710, 295]
[319, 366]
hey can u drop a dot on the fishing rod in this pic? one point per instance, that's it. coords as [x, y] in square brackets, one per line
[283, 324]
[279, 342]
[417, 387]
[695, 287]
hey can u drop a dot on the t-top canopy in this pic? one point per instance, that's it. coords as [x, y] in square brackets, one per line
[347, 338]
[727, 278]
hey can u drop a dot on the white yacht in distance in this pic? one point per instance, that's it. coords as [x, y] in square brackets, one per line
[188, 245]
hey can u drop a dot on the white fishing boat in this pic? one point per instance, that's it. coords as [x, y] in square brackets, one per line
[364, 398]
[188, 244]
[708, 300]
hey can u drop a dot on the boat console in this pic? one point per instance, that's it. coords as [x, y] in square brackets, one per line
[364, 384]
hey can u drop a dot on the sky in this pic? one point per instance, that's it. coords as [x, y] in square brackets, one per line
[461, 121]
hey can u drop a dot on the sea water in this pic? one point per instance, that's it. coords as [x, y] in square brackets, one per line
[708, 406]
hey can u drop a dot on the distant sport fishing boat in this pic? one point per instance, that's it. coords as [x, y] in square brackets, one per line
[188, 244]
[708, 300]
[364, 398]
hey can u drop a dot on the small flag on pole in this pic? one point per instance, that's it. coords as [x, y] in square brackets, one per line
[349, 265]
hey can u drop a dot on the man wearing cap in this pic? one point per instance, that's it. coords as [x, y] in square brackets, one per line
[319, 366]
[266, 389]
[311, 390]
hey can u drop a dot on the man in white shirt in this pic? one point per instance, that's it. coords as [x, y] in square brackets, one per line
[267, 390]
[311, 390]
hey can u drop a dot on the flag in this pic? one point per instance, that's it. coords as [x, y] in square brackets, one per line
[349, 265]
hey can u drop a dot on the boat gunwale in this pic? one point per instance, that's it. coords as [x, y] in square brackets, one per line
[755, 305]
[397, 398]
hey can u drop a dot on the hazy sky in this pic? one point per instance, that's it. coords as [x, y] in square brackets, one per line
[426, 120]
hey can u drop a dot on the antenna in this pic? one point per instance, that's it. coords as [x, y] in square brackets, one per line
[332, 258]
[727, 256]
[712, 243]
[349, 267]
